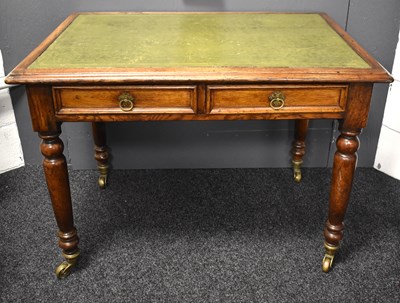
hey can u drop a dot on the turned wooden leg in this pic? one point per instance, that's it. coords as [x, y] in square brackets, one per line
[101, 151]
[55, 170]
[299, 147]
[343, 171]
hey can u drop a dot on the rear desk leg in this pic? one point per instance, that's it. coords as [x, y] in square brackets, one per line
[101, 151]
[298, 147]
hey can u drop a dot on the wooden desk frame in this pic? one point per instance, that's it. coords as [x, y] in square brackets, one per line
[204, 94]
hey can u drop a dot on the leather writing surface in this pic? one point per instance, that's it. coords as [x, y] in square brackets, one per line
[199, 40]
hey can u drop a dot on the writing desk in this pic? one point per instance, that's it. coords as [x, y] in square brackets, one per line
[103, 67]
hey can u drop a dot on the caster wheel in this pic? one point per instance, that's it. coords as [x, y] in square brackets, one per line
[102, 182]
[63, 270]
[327, 263]
[297, 170]
[297, 176]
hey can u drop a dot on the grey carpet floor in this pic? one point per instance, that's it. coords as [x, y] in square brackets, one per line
[227, 235]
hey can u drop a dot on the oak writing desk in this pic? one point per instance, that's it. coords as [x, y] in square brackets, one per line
[103, 67]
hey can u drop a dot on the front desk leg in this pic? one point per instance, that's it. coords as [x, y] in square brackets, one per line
[342, 178]
[56, 173]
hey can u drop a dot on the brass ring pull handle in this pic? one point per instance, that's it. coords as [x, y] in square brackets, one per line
[126, 102]
[277, 100]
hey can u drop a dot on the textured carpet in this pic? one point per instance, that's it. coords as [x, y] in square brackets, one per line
[227, 235]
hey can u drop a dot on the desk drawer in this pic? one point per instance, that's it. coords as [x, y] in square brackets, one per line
[255, 99]
[126, 100]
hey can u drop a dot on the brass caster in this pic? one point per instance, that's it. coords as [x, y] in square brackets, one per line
[327, 263]
[330, 251]
[297, 170]
[63, 270]
[297, 176]
[102, 182]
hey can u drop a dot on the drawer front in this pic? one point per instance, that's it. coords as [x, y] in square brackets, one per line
[258, 99]
[126, 100]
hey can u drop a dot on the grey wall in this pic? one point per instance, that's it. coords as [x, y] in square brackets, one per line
[373, 23]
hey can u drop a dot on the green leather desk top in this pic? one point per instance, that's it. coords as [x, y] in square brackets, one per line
[199, 40]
